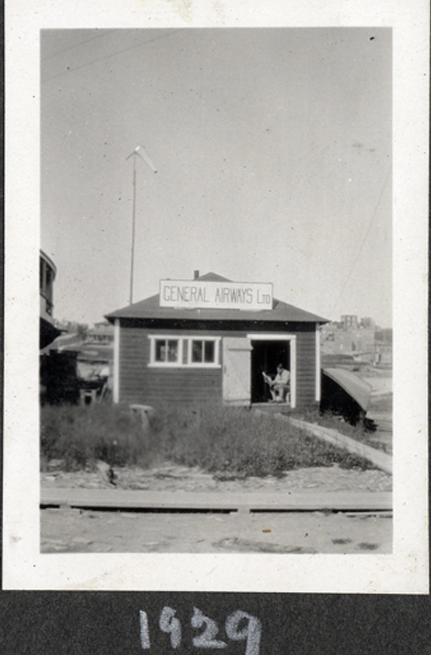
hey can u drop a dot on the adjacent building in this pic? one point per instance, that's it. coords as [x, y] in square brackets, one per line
[47, 329]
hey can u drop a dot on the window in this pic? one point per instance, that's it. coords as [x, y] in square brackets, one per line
[185, 351]
[167, 350]
[49, 279]
[203, 352]
[42, 276]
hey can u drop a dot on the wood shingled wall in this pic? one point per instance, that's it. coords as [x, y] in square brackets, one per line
[148, 385]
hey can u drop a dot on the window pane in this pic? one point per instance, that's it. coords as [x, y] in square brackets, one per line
[160, 351]
[209, 351]
[194, 351]
[172, 350]
[41, 275]
[197, 351]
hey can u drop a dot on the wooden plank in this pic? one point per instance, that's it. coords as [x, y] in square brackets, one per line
[304, 500]
[380, 459]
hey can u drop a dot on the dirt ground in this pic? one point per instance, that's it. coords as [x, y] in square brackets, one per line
[67, 530]
[120, 532]
[74, 530]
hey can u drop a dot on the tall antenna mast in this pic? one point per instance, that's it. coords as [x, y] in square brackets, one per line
[139, 151]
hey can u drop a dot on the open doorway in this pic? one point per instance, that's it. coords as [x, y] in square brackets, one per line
[265, 357]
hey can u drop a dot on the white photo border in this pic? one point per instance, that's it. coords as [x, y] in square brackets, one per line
[24, 567]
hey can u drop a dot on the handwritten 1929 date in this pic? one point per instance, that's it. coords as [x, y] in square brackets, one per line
[239, 626]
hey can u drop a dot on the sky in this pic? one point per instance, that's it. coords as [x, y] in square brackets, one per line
[273, 152]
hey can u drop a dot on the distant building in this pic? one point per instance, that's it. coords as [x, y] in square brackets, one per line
[367, 323]
[382, 353]
[102, 333]
[361, 340]
[384, 335]
[349, 321]
[335, 340]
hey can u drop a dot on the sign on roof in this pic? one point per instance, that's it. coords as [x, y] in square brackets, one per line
[205, 294]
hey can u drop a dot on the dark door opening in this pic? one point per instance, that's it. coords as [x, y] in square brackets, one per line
[264, 358]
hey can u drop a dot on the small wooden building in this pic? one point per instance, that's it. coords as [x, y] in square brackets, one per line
[208, 340]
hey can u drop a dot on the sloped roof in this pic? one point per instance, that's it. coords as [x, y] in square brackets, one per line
[95, 352]
[150, 309]
[70, 342]
[87, 350]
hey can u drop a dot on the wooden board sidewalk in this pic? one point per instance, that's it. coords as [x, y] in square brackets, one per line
[381, 460]
[294, 501]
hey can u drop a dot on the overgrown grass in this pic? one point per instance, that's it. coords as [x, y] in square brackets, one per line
[81, 435]
[227, 440]
[332, 421]
[239, 441]
[362, 432]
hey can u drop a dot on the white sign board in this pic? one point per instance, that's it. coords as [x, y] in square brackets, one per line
[194, 294]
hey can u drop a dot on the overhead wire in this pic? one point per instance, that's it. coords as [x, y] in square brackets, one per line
[114, 54]
[363, 241]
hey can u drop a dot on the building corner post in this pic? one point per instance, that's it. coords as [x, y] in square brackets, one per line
[116, 391]
[318, 366]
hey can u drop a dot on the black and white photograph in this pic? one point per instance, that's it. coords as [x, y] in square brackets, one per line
[213, 371]
[216, 336]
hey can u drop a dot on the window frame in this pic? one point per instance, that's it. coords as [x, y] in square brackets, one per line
[166, 339]
[180, 363]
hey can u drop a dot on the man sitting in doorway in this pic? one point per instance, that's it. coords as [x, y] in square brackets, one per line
[280, 385]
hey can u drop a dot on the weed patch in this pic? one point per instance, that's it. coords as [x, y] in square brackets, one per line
[362, 432]
[238, 441]
[81, 435]
[231, 441]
